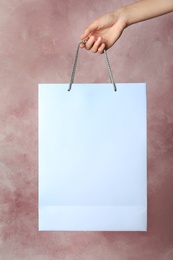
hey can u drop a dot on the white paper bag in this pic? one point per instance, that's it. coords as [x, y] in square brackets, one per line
[92, 157]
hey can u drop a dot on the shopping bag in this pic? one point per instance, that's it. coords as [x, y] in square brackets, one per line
[92, 157]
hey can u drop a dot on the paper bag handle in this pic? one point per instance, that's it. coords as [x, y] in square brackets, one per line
[75, 64]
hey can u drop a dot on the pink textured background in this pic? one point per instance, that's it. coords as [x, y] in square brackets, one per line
[37, 43]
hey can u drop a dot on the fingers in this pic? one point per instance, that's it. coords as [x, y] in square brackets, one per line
[101, 48]
[82, 45]
[93, 44]
[89, 43]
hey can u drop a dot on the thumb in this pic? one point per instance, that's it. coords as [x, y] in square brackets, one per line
[89, 30]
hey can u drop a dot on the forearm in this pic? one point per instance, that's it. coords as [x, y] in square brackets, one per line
[107, 29]
[144, 10]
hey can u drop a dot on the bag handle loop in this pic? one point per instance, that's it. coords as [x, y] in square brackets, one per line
[75, 64]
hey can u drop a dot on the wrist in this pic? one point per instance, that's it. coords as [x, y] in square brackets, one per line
[121, 16]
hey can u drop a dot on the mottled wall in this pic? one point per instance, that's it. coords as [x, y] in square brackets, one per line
[37, 43]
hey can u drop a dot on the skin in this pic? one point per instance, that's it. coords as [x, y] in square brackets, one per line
[106, 30]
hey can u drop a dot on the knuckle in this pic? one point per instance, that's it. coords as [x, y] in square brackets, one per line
[100, 51]
[87, 47]
[94, 50]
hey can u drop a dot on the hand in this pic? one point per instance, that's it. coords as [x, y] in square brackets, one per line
[107, 29]
[103, 32]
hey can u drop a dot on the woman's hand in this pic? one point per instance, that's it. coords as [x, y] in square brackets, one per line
[103, 32]
[107, 29]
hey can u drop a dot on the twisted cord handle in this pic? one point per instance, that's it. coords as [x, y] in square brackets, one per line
[75, 64]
